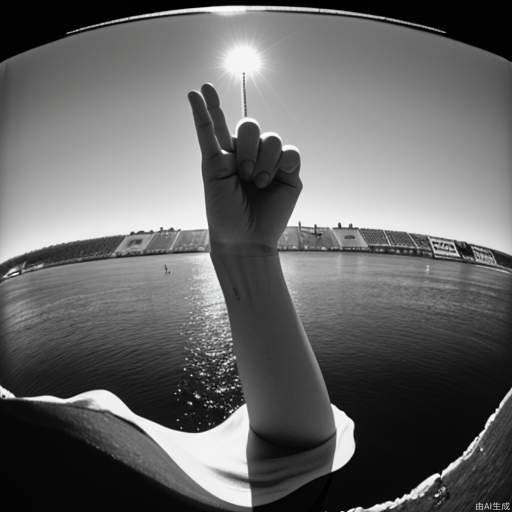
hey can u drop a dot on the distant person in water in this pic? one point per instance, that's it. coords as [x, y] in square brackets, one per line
[288, 434]
[166, 270]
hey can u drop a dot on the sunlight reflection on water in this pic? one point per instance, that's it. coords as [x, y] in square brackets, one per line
[418, 359]
[209, 389]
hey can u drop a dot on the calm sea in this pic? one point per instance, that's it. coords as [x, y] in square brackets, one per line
[418, 352]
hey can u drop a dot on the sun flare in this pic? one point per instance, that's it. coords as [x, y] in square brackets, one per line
[243, 59]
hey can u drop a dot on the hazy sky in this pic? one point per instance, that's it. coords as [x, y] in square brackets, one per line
[398, 129]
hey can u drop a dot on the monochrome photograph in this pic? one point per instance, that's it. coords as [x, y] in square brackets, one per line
[256, 258]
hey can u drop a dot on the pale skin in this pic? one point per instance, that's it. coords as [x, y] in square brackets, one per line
[251, 185]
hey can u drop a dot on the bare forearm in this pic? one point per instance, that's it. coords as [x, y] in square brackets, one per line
[248, 205]
[284, 388]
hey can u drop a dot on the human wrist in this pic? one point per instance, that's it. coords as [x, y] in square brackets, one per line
[245, 271]
[241, 249]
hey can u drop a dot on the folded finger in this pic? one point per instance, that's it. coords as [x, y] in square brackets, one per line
[290, 159]
[288, 167]
[269, 155]
[247, 144]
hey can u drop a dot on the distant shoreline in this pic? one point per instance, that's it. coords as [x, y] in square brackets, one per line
[294, 239]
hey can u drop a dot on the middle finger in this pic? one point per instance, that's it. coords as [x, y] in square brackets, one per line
[219, 121]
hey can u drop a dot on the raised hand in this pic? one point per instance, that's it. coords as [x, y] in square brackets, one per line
[251, 182]
[251, 185]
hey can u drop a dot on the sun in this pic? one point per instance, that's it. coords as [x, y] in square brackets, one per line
[242, 59]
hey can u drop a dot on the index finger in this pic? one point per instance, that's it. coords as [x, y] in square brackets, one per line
[204, 126]
[219, 121]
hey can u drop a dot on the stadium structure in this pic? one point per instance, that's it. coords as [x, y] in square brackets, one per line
[294, 238]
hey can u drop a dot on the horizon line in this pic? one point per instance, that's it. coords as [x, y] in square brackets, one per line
[154, 232]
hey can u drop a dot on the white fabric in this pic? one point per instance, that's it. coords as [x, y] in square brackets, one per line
[216, 459]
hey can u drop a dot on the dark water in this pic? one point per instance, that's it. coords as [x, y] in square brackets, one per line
[416, 351]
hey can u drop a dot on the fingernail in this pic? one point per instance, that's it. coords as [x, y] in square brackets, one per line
[262, 179]
[246, 168]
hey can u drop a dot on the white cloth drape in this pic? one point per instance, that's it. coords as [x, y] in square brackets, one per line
[216, 459]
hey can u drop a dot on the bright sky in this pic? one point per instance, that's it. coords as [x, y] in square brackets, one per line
[398, 129]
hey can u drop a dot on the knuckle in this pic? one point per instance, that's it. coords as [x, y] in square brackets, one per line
[290, 163]
[248, 125]
[271, 139]
[291, 150]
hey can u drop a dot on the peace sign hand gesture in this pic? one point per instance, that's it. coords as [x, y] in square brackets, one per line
[251, 182]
